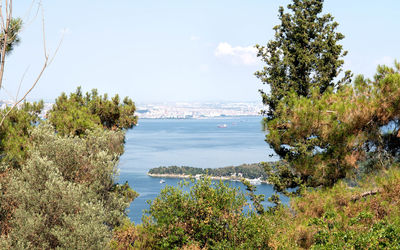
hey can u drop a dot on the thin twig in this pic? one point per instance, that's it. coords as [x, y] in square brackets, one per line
[46, 63]
[20, 83]
[57, 49]
[44, 34]
[23, 98]
[28, 21]
[29, 11]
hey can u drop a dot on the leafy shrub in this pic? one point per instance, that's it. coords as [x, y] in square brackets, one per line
[52, 212]
[210, 215]
[65, 195]
[15, 132]
[77, 113]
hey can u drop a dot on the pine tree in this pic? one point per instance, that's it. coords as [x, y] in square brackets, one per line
[303, 61]
[305, 54]
[77, 113]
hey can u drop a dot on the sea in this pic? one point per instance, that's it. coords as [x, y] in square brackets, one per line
[203, 143]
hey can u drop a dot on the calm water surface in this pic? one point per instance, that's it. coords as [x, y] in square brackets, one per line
[196, 143]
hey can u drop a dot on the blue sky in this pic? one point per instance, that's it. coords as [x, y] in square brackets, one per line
[170, 50]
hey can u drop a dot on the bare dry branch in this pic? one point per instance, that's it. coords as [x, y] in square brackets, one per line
[28, 22]
[47, 59]
[44, 35]
[26, 93]
[365, 194]
[20, 83]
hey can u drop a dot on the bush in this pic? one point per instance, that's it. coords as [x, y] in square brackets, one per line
[15, 132]
[76, 114]
[52, 212]
[209, 215]
[65, 195]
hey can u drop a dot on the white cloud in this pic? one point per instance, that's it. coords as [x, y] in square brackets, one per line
[238, 55]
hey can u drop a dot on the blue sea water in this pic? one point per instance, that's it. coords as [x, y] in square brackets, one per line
[189, 142]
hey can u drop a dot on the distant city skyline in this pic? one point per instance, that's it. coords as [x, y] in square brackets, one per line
[180, 110]
[198, 110]
[179, 51]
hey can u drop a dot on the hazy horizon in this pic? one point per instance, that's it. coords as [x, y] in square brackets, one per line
[179, 51]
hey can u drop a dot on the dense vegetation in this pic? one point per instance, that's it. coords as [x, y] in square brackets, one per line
[324, 129]
[302, 64]
[333, 138]
[15, 130]
[58, 186]
[210, 215]
[77, 113]
[57, 177]
[340, 217]
[250, 171]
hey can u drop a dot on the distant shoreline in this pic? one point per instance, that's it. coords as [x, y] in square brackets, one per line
[184, 176]
[200, 118]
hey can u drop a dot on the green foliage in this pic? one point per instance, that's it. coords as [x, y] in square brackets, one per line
[209, 215]
[72, 116]
[91, 161]
[283, 177]
[65, 195]
[304, 55]
[113, 113]
[276, 200]
[332, 218]
[15, 132]
[335, 220]
[77, 113]
[250, 171]
[302, 63]
[317, 125]
[330, 234]
[328, 135]
[256, 199]
[58, 190]
[53, 212]
[183, 170]
[14, 28]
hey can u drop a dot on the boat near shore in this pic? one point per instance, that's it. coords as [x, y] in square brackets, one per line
[255, 181]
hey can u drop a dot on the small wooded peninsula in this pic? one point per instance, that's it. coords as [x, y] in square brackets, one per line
[247, 171]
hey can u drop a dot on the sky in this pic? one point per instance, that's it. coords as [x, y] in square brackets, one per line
[176, 50]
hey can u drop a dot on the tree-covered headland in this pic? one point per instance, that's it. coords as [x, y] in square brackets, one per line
[249, 171]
